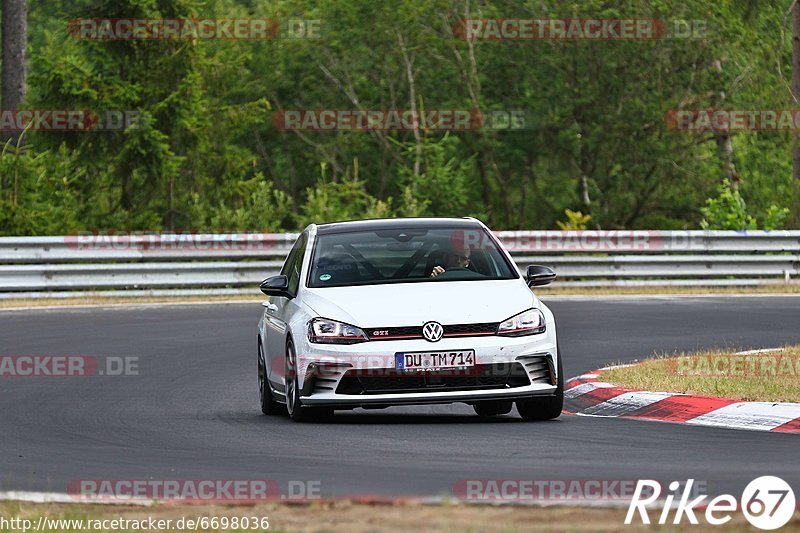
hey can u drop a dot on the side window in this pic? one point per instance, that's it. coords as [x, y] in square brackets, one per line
[294, 263]
[291, 257]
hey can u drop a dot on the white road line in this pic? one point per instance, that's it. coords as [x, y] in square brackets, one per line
[760, 350]
[53, 497]
[624, 365]
[59, 497]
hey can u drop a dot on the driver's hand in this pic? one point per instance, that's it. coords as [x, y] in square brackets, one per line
[436, 271]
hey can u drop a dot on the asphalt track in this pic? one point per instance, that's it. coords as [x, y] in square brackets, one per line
[192, 411]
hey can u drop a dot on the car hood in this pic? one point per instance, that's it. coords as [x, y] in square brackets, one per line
[412, 304]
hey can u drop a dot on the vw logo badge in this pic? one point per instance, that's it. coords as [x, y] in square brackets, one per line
[432, 331]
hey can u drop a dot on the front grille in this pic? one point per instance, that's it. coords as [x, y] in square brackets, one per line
[415, 332]
[459, 330]
[489, 376]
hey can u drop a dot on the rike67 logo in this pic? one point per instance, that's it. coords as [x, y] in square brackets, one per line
[767, 502]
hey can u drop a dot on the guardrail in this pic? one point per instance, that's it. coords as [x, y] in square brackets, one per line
[235, 263]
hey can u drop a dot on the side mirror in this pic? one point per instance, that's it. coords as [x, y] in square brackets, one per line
[539, 275]
[276, 286]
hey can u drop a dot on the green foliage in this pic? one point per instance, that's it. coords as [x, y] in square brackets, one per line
[775, 217]
[258, 206]
[728, 211]
[443, 186]
[331, 201]
[575, 221]
[205, 154]
[40, 193]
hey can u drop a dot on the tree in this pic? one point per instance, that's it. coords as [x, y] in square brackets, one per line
[14, 76]
[205, 153]
[795, 99]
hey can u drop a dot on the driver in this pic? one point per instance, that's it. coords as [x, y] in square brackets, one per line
[457, 259]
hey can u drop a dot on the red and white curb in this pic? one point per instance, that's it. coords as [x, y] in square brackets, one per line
[588, 395]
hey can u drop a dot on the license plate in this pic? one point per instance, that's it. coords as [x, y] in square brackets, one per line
[434, 360]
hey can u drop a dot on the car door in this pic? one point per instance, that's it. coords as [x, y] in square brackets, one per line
[276, 314]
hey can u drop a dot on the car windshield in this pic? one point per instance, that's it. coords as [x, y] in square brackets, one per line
[403, 255]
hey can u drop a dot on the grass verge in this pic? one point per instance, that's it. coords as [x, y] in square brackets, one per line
[327, 516]
[767, 377]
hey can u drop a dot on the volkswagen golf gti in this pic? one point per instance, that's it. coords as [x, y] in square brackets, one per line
[380, 313]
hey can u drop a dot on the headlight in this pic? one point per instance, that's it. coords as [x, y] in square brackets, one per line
[528, 322]
[322, 330]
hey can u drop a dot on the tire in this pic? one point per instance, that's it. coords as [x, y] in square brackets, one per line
[493, 408]
[296, 411]
[269, 406]
[544, 407]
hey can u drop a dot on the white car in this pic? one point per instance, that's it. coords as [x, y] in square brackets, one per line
[379, 313]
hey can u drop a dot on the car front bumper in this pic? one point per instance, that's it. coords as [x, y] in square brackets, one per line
[321, 368]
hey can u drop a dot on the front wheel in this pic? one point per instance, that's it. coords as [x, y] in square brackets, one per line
[545, 407]
[296, 411]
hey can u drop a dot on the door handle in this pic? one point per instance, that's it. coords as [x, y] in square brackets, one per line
[270, 307]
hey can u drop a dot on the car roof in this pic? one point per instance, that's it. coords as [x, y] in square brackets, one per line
[397, 223]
